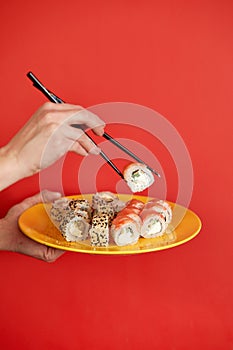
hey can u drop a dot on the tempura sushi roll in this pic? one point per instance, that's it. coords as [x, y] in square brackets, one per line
[138, 177]
[74, 229]
[125, 231]
[99, 232]
[153, 224]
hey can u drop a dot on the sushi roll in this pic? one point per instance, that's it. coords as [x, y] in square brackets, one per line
[72, 217]
[161, 207]
[59, 209]
[99, 231]
[138, 177]
[125, 231]
[135, 205]
[108, 199]
[126, 227]
[133, 215]
[153, 224]
[105, 210]
[79, 204]
[74, 229]
[168, 209]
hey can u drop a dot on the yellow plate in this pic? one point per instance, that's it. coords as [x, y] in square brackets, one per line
[35, 223]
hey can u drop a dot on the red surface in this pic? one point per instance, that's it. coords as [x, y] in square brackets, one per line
[172, 56]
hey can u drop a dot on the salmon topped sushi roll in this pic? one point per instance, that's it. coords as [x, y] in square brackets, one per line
[161, 207]
[125, 231]
[138, 177]
[126, 226]
[153, 224]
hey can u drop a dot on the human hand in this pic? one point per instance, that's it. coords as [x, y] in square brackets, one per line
[12, 239]
[45, 138]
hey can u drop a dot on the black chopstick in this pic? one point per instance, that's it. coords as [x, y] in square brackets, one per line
[53, 98]
[126, 150]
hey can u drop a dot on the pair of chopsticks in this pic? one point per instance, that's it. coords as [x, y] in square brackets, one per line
[53, 98]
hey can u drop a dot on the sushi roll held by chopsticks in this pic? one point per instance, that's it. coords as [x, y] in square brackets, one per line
[138, 177]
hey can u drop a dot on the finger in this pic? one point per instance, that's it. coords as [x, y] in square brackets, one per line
[79, 116]
[51, 254]
[50, 106]
[91, 120]
[77, 148]
[44, 196]
[86, 143]
[49, 196]
[36, 250]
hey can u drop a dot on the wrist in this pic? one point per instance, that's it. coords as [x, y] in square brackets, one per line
[10, 171]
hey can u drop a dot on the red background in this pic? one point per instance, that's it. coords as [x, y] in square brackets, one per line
[175, 57]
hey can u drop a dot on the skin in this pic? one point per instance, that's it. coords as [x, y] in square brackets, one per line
[12, 239]
[45, 138]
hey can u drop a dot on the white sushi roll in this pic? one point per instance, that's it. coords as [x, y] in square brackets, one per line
[153, 224]
[74, 229]
[138, 177]
[125, 231]
[99, 232]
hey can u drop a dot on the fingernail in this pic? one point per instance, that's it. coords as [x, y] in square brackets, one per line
[56, 194]
[94, 150]
[50, 195]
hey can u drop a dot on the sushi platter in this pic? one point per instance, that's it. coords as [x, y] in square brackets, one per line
[106, 223]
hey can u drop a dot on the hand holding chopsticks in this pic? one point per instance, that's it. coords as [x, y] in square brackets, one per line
[53, 98]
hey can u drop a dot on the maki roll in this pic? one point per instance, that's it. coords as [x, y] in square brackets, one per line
[153, 224]
[74, 229]
[99, 232]
[72, 217]
[161, 207]
[80, 205]
[59, 209]
[125, 230]
[105, 210]
[138, 177]
[135, 205]
[126, 226]
[108, 199]
[168, 210]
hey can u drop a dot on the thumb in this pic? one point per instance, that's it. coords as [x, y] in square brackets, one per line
[44, 196]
